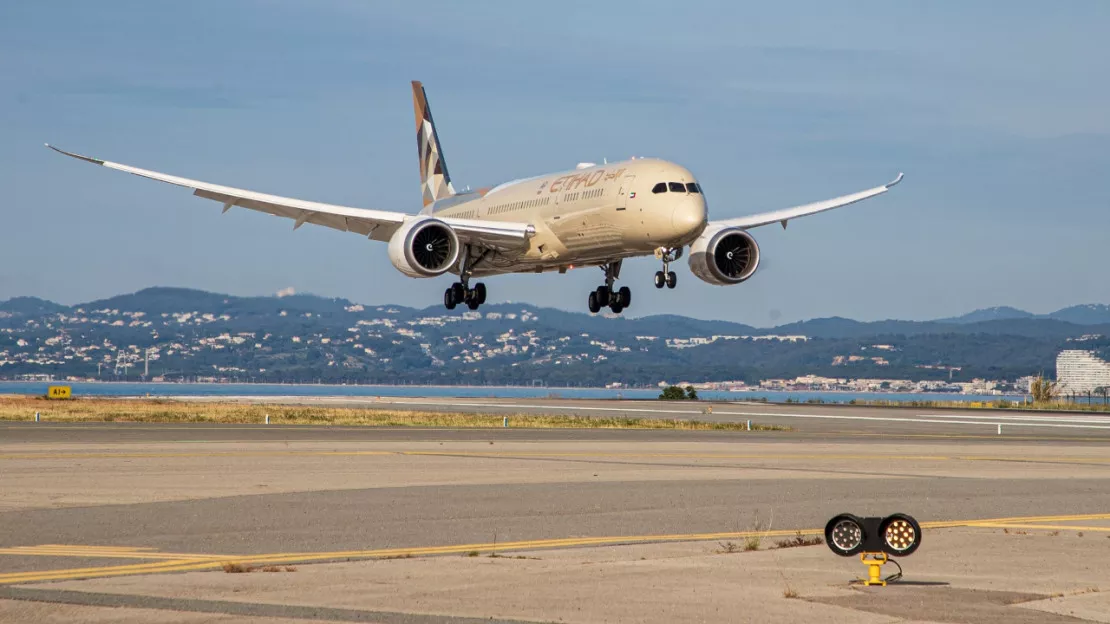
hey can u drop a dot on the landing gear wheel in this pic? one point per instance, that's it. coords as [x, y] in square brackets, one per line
[625, 294]
[672, 280]
[473, 303]
[458, 292]
[603, 296]
[480, 292]
[616, 307]
[595, 307]
[660, 279]
[449, 299]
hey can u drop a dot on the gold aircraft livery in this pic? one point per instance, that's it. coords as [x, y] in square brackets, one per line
[591, 216]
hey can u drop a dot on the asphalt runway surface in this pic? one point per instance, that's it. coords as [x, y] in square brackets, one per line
[100, 500]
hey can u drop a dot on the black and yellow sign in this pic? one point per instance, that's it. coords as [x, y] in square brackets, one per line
[58, 392]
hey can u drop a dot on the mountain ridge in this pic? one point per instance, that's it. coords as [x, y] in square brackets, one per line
[160, 299]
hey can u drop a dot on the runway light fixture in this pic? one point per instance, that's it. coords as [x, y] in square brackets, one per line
[875, 540]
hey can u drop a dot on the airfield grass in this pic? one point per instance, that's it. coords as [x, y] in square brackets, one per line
[174, 411]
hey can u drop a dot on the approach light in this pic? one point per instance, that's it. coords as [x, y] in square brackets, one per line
[845, 535]
[901, 535]
[874, 540]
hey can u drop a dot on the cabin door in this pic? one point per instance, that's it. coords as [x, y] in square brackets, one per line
[623, 195]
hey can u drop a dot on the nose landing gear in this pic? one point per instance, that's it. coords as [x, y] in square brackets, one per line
[667, 277]
[605, 296]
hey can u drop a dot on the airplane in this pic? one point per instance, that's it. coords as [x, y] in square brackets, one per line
[593, 215]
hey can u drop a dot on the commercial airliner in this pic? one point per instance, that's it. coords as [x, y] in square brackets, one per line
[593, 215]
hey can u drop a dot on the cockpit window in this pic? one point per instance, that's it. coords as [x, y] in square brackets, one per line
[677, 187]
[659, 188]
[692, 187]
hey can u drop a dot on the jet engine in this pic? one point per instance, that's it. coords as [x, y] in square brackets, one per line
[424, 248]
[724, 257]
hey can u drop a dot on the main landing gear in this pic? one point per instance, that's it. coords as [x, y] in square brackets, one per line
[460, 291]
[667, 277]
[606, 296]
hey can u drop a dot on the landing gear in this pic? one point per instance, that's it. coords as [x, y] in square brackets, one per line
[458, 293]
[667, 277]
[461, 292]
[605, 296]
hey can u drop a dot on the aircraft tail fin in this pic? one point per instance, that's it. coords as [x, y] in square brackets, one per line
[435, 182]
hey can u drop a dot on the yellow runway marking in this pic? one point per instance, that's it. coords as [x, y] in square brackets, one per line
[106, 552]
[1064, 527]
[172, 454]
[186, 563]
[550, 455]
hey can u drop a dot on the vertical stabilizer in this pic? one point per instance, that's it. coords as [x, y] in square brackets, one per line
[435, 182]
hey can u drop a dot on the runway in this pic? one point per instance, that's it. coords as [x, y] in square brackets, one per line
[98, 501]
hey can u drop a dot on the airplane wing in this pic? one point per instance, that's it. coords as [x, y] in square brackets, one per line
[782, 216]
[374, 224]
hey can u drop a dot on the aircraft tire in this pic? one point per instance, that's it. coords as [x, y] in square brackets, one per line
[592, 302]
[603, 296]
[672, 279]
[660, 279]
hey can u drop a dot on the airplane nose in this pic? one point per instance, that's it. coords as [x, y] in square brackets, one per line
[688, 216]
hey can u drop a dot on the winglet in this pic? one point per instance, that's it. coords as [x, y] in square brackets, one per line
[895, 180]
[95, 161]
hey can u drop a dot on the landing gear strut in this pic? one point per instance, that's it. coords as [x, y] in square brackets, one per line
[667, 277]
[605, 296]
[460, 291]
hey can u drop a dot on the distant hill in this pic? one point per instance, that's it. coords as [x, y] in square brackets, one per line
[1000, 313]
[1087, 314]
[29, 306]
[196, 334]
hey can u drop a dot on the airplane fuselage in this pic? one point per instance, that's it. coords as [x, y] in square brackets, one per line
[588, 216]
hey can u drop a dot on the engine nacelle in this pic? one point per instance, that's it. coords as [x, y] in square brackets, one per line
[424, 248]
[724, 257]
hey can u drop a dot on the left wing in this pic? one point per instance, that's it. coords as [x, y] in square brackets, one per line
[786, 214]
[374, 224]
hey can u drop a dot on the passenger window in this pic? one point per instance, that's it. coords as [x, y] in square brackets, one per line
[659, 188]
[692, 188]
[677, 187]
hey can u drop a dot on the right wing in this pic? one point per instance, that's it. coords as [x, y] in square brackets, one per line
[374, 224]
[786, 214]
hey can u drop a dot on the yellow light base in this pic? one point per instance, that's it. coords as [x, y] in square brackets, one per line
[874, 563]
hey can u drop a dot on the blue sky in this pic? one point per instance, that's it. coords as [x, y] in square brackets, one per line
[996, 112]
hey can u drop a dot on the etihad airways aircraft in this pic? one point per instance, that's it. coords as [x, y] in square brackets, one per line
[594, 215]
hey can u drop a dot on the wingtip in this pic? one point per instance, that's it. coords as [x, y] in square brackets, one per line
[896, 180]
[95, 161]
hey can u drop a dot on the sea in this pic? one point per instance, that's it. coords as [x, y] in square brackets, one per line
[136, 389]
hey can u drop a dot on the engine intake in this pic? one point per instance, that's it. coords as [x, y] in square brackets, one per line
[723, 257]
[424, 248]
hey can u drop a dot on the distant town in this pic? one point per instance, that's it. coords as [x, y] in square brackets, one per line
[178, 335]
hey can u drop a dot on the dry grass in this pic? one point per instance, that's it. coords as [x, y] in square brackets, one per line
[789, 592]
[88, 409]
[237, 568]
[800, 540]
[727, 548]
[232, 567]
